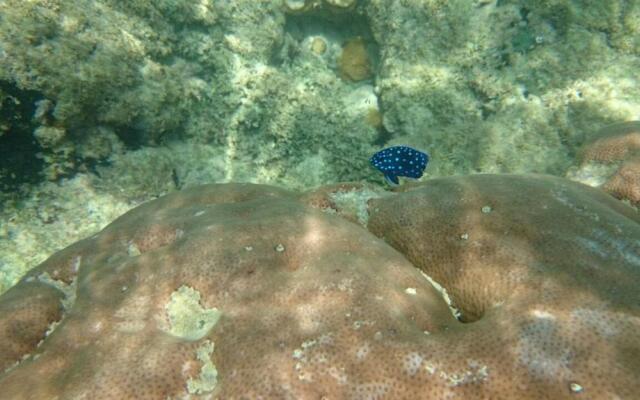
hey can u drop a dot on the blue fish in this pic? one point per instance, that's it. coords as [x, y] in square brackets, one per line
[398, 161]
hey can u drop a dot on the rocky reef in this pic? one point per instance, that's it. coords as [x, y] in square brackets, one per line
[488, 286]
[611, 159]
[467, 80]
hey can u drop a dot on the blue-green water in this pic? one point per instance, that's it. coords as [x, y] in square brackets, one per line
[105, 105]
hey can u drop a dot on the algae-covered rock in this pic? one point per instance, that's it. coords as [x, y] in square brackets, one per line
[468, 81]
[502, 85]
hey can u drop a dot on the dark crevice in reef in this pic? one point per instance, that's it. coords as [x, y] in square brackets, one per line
[345, 42]
[133, 138]
[346, 25]
[19, 160]
[22, 158]
[340, 28]
[384, 136]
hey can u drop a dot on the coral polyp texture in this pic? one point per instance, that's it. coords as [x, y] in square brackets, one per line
[614, 153]
[247, 291]
[616, 142]
[625, 183]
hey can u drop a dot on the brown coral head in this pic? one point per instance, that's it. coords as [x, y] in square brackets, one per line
[612, 143]
[354, 63]
[625, 183]
[238, 291]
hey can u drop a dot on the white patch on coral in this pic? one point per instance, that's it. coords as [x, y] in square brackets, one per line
[338, 374]
[355, 202]
[363, 351]
[542, 314]
[475, 372]
[541, 350]
[592, 174]
[430, 368]
[310, 354]
[187, 318]
[443, 292]
[207, 380]
[411, 363]
[410, 291]
[297, 354]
